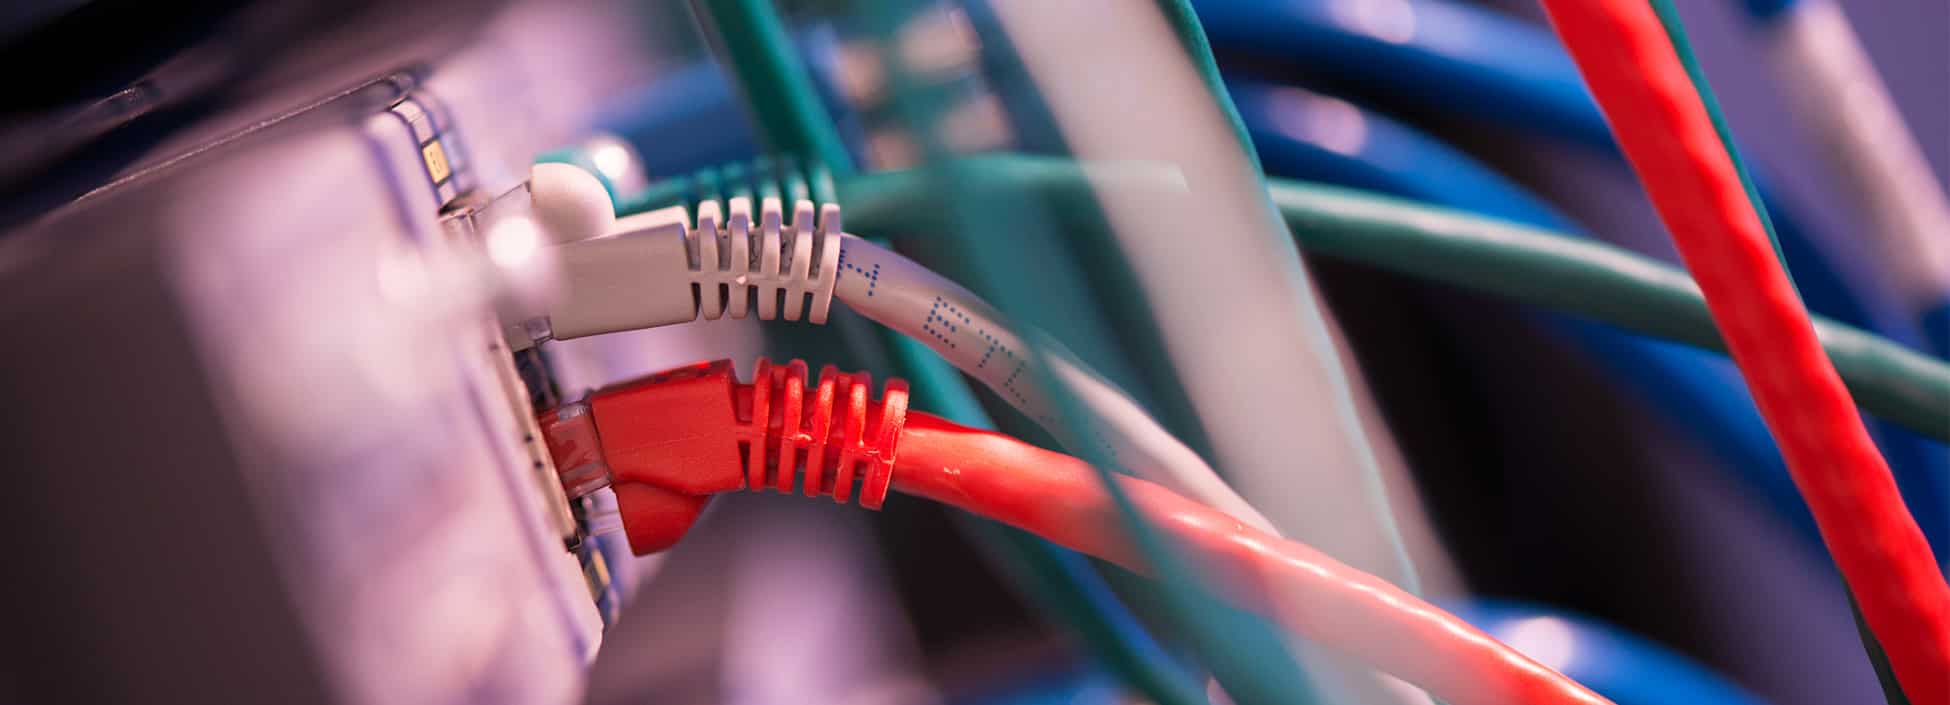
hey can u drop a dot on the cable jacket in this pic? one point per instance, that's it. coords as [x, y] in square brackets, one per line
[1061, 499]
[902, 295]
[1196, 258]
[1665, 132]
[1534, 266]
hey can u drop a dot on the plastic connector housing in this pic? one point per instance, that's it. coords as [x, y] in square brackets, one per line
[637, 277]
[671, 440]
[654, 269]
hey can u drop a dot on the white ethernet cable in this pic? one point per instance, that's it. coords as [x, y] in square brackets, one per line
[898, 293]
[1848, 112]
[1241, 325]
[654, 269]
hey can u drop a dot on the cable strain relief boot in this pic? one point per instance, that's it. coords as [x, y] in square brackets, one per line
[787, 269]
[657, 268]
[828, 437]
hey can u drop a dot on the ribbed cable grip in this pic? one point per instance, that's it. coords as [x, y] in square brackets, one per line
[790, 268]
[827, 438]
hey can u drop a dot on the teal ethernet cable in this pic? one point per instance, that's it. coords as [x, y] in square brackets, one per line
[766, 66]
[769, 67]
[777, 84]
[1531, 265]
[1246, 654]
[1184, 23]
[793, 120]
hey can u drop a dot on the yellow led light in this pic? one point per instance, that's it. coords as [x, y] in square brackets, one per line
[436, 159]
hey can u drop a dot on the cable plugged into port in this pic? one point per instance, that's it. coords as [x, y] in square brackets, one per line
[670, 441]
[659, 268]
[675, 438]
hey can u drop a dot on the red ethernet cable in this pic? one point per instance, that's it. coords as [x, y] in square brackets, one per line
[1630, 64]
[670, 441]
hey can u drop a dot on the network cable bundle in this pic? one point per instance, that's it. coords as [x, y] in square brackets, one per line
[1311, 352]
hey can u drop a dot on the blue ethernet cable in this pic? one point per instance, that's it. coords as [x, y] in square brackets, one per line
[1762, 10]
[684, 120]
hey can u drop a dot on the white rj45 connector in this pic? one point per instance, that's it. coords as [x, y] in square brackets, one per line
[655, 269]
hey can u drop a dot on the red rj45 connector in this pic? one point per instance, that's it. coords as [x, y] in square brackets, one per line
[667, 442]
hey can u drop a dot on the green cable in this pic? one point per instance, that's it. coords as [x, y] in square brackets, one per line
[1191, 36]
[1676, 33]
[1595, 280]
[1534, 266]
[1892, 690]
[794, 121]
[1531, 265]
[776, 82]
[1246, 653]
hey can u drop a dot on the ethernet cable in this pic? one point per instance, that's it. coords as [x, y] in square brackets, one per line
[1308, 135]
[1346, 215]
[651, 270]
[1341, 385]
[1588, 278]
[1442, 59]
[1665, 130]
[767, 67]
[832, 439]
[1192, 38]
[1527, 264]
[1927, 512]
[1823, 275]
[734, 263]
[894, 291]
[782, 94]
[1241, 652]
[1193, 259]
